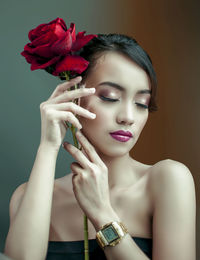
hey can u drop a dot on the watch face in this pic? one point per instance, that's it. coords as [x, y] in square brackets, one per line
[110, 234]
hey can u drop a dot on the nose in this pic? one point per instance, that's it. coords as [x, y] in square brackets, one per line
[125, 115]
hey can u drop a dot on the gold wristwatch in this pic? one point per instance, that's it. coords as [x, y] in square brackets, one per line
[111, 234]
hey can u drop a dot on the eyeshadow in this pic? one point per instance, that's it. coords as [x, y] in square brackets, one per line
[109, 93]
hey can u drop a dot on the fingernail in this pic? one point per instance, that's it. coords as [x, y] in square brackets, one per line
[78, 78]
[91, 90]
[65, 143]
[82, 86]
[93, 115]
[78, 133]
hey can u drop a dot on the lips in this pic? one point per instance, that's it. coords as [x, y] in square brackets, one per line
[121, 136]
[121, 132]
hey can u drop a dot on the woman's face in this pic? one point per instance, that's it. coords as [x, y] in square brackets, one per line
[117, 103]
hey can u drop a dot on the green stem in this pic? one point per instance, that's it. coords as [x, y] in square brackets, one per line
[85, 219]
[86, 249]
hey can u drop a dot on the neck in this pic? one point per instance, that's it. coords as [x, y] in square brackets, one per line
[120, 171]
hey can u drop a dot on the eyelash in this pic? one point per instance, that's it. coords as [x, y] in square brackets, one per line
[108, 99]
[114, 100]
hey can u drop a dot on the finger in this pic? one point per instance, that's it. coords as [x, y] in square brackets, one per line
[75, 178]
[77, 155]
[76, 168]
[78, 174]
[73, 94]
[88, 148]
[74, 108]
[64, 86]
[67, 117]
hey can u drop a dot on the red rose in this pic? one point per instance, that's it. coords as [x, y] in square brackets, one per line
[54, 45]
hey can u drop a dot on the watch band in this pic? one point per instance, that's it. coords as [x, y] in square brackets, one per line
[111, 234]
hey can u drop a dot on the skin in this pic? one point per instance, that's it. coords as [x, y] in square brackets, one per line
[105, 183]
[123, 114]
[96, 177]
[99, 181]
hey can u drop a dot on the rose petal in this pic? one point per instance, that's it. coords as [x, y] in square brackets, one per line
[36, 64]
[35, 32]
[44, 39]
[58, 25]
[28, 47]
[53, 44]
[59, 21]
[58, 31]
[63, 45]
[53, 34]
[28, 56]
[71, 63]
[43, 51]
[73, 33]
[32, 58]
[82, 40]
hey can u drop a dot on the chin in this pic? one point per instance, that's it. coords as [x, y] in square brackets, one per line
[106, 146]
[111, 150]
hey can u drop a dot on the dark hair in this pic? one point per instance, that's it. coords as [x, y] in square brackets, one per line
[125, 45]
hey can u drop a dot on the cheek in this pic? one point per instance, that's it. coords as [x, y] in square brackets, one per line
[142, 123]
[102, 114]
[102, 117]
[92, 104]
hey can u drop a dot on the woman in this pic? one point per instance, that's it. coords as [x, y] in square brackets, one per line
[154, 203]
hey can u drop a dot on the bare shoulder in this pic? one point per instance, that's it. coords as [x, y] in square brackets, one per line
[16, 199]
[174, 210]
[170, 176]
[168, 169]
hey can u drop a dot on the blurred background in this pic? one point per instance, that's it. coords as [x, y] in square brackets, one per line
[167, 30]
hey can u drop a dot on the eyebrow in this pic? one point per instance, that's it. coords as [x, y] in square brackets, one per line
[117, 86]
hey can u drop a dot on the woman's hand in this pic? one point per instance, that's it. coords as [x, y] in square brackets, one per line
[59, 109]
[90, 178]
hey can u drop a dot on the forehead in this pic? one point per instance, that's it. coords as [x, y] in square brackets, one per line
[116, 67]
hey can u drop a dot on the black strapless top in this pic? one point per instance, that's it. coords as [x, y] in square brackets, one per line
[74, 250]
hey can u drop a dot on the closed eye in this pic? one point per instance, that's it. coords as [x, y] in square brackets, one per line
[108, 99]
[114, 100]
[142, 105]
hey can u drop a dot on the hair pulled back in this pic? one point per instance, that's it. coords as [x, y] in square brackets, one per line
[126, 45]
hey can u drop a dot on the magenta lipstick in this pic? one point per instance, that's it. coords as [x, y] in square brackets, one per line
[121, 136]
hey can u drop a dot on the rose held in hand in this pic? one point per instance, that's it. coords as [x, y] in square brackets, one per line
[53, 47]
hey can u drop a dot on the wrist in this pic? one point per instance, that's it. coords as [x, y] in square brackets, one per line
[111, 234]
[45, 147]
[105, 216]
